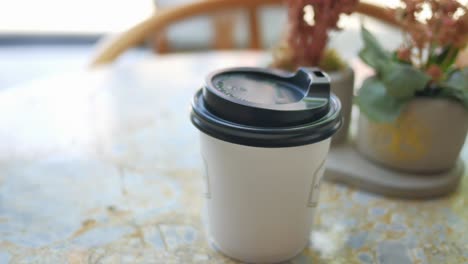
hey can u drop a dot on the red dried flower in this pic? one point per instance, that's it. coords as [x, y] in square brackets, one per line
[404, 54]
[309, 41]
[435, 72]
[449, 6]
[431, 26]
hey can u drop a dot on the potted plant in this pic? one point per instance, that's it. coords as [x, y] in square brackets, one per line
[414, 109]
[309, 24]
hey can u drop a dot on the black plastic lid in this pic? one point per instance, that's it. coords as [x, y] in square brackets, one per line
[266, 108]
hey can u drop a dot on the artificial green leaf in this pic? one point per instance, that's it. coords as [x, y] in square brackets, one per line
[456, 86]
[373, 53]
[403, 80]
[457, 79]
[459, 95]
[374, 101]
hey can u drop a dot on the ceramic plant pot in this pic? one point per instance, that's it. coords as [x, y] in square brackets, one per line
[427, 137]
[342, 84]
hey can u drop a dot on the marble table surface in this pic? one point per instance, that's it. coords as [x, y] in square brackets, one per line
[102, 166]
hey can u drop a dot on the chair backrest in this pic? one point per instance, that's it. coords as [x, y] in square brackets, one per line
[136, 35]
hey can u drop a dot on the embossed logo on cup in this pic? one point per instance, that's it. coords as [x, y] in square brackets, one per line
[315, 188]
[206, 179]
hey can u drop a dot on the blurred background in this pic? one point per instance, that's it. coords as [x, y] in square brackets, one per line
[40, 38]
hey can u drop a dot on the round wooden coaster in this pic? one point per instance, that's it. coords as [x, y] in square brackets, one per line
[346, 165]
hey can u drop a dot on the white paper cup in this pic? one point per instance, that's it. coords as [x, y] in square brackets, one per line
[264, 140]
[261, 201]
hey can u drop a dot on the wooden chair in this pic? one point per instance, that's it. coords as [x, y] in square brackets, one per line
[222, 24]
[136, 35]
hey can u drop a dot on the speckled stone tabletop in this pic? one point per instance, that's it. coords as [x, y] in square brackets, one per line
[102, 166]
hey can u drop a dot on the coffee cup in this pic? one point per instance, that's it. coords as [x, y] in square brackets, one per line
[264, 138]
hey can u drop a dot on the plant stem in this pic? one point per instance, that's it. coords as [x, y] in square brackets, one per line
[430, 50]
[420, 57]
[448, 58]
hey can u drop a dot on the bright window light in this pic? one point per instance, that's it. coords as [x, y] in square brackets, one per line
[71, 16]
